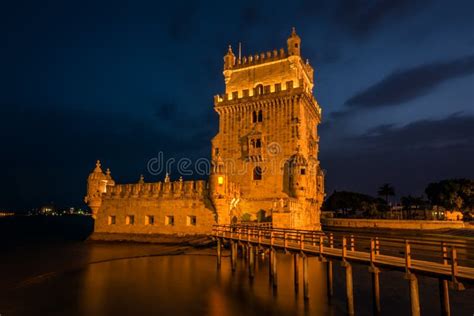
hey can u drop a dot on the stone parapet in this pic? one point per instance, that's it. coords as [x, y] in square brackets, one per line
[158, 190]
[390, 224]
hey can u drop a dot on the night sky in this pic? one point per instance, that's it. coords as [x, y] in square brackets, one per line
[121, 81]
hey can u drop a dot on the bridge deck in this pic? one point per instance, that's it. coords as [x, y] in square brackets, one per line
[434, 258]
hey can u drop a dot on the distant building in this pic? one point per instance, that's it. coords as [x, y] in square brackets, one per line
[264, 158]
[453, 215]
[48, 209]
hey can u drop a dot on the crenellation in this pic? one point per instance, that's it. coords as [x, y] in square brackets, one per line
[157, 189]
[258, 58]
[267, 89]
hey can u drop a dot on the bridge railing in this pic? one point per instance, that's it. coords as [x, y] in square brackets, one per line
[451, 261]
[446, 252]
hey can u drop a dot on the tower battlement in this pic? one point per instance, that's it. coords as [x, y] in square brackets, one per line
[158, 189]
[257, 59]
[277, 70]
[269, 91]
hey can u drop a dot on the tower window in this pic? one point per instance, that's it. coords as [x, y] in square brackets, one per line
[260, 116]
[303, 171]
[258, 143]
[259, 89]
[254, 117]
[130, 220]
[169, 220]
[111, 220]
[257, 173]
[149, 220]
[191, 220]
[296, 45]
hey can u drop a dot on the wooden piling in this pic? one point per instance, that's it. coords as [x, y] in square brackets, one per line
[233, 255]
[296, 272]
[414, 294]
[251, 262]
[444, 297]
[219, 250]
[349, 288]
[274, 268]
[305, 277]
[374, 271]
[329, 280]
[270, 265]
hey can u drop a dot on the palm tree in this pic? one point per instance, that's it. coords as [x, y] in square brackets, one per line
[385, 191]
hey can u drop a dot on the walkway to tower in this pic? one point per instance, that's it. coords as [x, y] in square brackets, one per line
[451, 262]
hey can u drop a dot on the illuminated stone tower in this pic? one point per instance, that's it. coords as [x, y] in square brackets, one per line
[265, 155]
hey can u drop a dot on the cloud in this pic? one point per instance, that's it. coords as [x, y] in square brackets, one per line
[405, 85]
[50, 151]
[408, 156]
[455, 130]
[361, 18]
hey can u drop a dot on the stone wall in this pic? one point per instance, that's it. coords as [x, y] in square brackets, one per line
[183, 208]
[390, 224]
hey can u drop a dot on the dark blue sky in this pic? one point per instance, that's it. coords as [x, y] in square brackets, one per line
[121, 81]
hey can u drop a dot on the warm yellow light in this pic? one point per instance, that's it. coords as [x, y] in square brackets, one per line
[220, 180]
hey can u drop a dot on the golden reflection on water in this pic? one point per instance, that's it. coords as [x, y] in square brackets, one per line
[193, 284]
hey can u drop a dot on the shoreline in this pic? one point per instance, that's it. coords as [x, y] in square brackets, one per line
[196, 241]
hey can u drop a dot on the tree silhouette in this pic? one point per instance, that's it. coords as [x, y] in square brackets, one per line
[386, 190]
[412, 202]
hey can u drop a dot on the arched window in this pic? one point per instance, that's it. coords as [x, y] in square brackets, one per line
[258, 143]
[252, 143]
[254, 117]
[260, 116]
[257, 173]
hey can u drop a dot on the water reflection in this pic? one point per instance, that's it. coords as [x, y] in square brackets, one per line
[192, 285]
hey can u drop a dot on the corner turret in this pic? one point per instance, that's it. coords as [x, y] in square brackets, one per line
[229, 59]
[294, 44]
[298, 178]
[97, 183]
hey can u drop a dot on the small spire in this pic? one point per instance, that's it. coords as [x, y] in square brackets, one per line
[167, 177]
[230, 50]
[98, 166]
[107, 171]
[180, 179]
[293, 31]
[142, 179]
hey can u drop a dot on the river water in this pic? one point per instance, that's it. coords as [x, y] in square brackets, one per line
[137, 279]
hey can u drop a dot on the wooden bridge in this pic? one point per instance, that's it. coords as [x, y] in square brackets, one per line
[451, 262]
